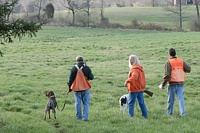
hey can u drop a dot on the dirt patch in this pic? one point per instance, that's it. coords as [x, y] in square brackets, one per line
[2, 122]
[56, 125]
[1, 94]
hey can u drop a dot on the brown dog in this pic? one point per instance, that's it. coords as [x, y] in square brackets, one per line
[51, 104]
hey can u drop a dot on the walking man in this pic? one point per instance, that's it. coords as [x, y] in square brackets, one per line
[174, 74]
[78, 82]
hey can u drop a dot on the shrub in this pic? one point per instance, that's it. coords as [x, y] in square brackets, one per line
[151, 26]
[116, 25]
[104, 23]
[49, 10]
[120, 5]
[195, 26]
[136, 25]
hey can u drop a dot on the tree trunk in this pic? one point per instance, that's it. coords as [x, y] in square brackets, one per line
[180, 15]
[88, 13]
[153, 3]
[102, 8]
[88, 21]
[197, 8]
[73, 21]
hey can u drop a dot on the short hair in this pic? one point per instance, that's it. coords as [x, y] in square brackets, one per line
[79, 58]
[172, 52]
[136, 60]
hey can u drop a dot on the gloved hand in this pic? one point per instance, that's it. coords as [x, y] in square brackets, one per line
[70, 90]
[161, 87]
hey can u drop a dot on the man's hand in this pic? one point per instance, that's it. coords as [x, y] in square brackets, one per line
[161, 87]
[125, 84]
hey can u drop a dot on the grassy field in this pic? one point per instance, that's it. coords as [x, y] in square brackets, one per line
[157, 15]
[125, 15]
[33, 66]
[145, 15]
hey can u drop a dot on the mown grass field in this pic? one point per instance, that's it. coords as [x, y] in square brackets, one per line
[33, 66]
[144, 15]
[155, 15]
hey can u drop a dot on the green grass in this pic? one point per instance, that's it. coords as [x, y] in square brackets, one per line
[155, 15]
[33, 66]
[145, 15]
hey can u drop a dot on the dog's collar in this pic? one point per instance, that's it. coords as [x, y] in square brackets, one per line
[52, 96]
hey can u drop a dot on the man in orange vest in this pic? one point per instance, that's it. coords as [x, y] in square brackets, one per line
[175, 70]
[81, 91]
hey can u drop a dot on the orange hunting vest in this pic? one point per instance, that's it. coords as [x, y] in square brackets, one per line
[177, 72]
[80, 83]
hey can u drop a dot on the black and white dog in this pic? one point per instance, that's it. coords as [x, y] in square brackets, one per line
[123, 102]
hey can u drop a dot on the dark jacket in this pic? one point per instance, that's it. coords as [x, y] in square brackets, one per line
[86, 70]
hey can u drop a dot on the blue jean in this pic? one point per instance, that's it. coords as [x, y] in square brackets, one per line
[82, 97]
[178, 90]
[131, 102]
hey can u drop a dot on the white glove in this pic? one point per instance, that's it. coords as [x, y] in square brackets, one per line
[161, 87]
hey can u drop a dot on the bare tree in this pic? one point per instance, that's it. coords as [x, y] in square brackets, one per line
[180, 15]
[71, 5]
[11, 8]
[102, 8]
[153, 3]
[39, 4]
[87, 7]
[176, 10]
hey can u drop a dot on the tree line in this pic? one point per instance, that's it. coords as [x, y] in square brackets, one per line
[41, 11]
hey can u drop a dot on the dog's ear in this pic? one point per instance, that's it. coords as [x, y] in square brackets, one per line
[47, 93]
[51, 93]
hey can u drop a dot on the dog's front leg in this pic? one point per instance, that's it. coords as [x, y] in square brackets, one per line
[121, 108]
[125, 107]
[45, 115]
[54, 111]
[49, 113]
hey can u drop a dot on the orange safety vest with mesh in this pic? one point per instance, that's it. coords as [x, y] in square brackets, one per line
[80, 83]
[177, 70]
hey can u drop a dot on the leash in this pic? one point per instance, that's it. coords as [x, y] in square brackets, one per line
[64, 103]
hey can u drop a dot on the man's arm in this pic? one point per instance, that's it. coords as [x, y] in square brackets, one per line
[186, 67]
[91, 76]
[72, 76]
[167, 74]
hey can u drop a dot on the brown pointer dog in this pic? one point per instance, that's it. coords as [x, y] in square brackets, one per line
[51, 104]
